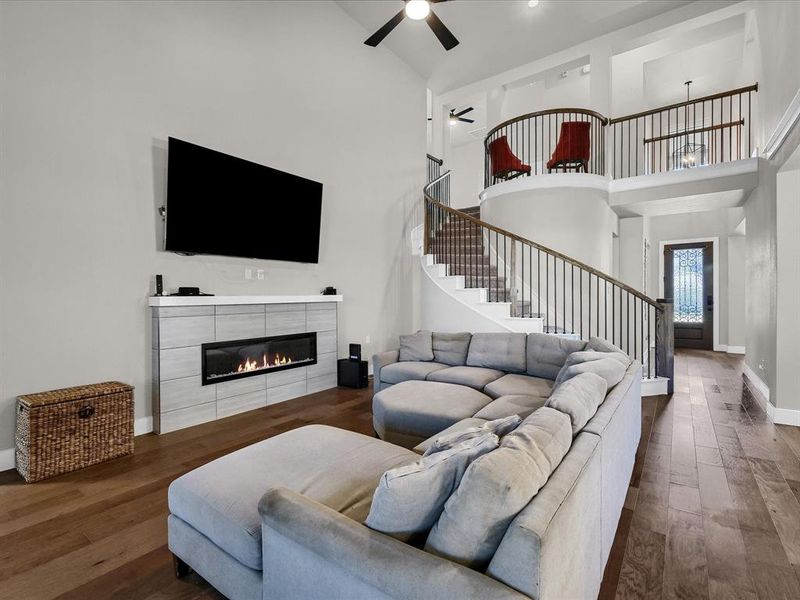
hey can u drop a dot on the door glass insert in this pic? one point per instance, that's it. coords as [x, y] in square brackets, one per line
[687, 277]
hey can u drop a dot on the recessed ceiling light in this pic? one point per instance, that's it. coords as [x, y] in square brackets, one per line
[533, 3]
[417, 9]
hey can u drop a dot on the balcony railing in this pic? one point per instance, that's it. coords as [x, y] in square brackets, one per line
[532, 140]
[703, 131]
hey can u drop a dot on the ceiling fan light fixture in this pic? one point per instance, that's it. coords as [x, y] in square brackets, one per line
[417, 9]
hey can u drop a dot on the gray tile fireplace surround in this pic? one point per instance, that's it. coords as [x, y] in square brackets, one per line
[181, 325]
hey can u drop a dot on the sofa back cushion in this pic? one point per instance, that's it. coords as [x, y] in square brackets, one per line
[416, 346]
[579, 398]
[610, 368]
[409, 499]
[503, 351]
[499, 427]
[451, 348]
[497, 486]
[547, 353]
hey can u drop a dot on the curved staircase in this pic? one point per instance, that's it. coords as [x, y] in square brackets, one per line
[515, 284]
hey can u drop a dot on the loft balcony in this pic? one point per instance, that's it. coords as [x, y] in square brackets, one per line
[694, 154]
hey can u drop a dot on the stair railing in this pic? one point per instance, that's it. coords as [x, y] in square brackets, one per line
[532, 138]
[700, 131]
[538, 282]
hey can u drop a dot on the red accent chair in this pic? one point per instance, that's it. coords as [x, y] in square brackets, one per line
[505, 165]
[572, 150]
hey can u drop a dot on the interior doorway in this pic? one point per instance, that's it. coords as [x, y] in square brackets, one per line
[689, 281]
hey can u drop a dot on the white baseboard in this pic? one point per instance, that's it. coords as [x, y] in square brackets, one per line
[781, 416]
[140, 427]
[143, 425]
[6, 459]
[654, 386]
[735, 350]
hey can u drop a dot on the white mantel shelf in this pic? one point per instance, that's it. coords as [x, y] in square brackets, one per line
[226, 300]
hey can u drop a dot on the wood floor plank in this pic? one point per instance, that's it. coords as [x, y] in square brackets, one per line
[782, 504]
[685, 565]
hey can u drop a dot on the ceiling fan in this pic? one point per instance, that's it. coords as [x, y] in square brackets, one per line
[416, 10]
[455, 117]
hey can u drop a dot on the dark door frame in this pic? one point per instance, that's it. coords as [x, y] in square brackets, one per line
[709, 328]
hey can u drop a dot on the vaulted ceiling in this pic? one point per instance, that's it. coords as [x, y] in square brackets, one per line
[497, 35]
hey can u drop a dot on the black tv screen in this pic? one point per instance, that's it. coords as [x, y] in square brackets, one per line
[223, 205]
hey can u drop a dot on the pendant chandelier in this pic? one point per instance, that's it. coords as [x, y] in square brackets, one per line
[690, 154]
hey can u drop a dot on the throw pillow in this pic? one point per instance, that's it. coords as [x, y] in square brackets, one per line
[499, 427]
[451, 348]
[579, 398]
[416, 346]
[497, 486]
[409, 499]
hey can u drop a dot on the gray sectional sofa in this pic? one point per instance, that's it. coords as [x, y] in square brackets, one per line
[285, 518]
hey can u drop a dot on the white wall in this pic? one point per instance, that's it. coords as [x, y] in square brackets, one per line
[787, 382]
[737, 333]
[575, 221]
[466, 180]
[90, 93]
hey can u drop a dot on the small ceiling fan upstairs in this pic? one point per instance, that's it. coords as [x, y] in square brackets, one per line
[455, 117]
[416, 10]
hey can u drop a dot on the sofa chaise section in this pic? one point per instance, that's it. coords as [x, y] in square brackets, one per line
[218, 502]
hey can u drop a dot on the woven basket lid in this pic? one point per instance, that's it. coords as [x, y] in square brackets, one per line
[74, 393]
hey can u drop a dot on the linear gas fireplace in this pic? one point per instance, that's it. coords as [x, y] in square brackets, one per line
[223, 361]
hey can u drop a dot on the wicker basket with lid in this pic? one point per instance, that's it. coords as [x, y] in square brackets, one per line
[68, 429]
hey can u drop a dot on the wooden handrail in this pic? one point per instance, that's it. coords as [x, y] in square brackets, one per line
[678, 134]
[545, 249]
[543, 113]
[655, 111]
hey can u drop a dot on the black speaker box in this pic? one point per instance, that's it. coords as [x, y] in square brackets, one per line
[353, 373]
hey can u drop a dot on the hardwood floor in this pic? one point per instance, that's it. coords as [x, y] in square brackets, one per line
[713, 509]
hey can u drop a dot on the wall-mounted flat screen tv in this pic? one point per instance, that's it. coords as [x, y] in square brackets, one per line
[223, 205]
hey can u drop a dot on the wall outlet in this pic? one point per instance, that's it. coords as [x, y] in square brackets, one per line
[366, 340]
[260, 274]
[248, 273]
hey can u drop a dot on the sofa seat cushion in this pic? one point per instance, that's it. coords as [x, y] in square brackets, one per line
[511, 404]
[415, 410]
[474, 377]
[519, 385]
[497, 486]
[409, 371]
[503, 351]
[335, 467]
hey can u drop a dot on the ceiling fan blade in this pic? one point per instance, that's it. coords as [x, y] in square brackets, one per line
[377, 37]
[466, 120]
[445, 36]
[463, 112]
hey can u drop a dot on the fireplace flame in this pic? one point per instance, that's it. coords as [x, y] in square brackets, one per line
[264, 363]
